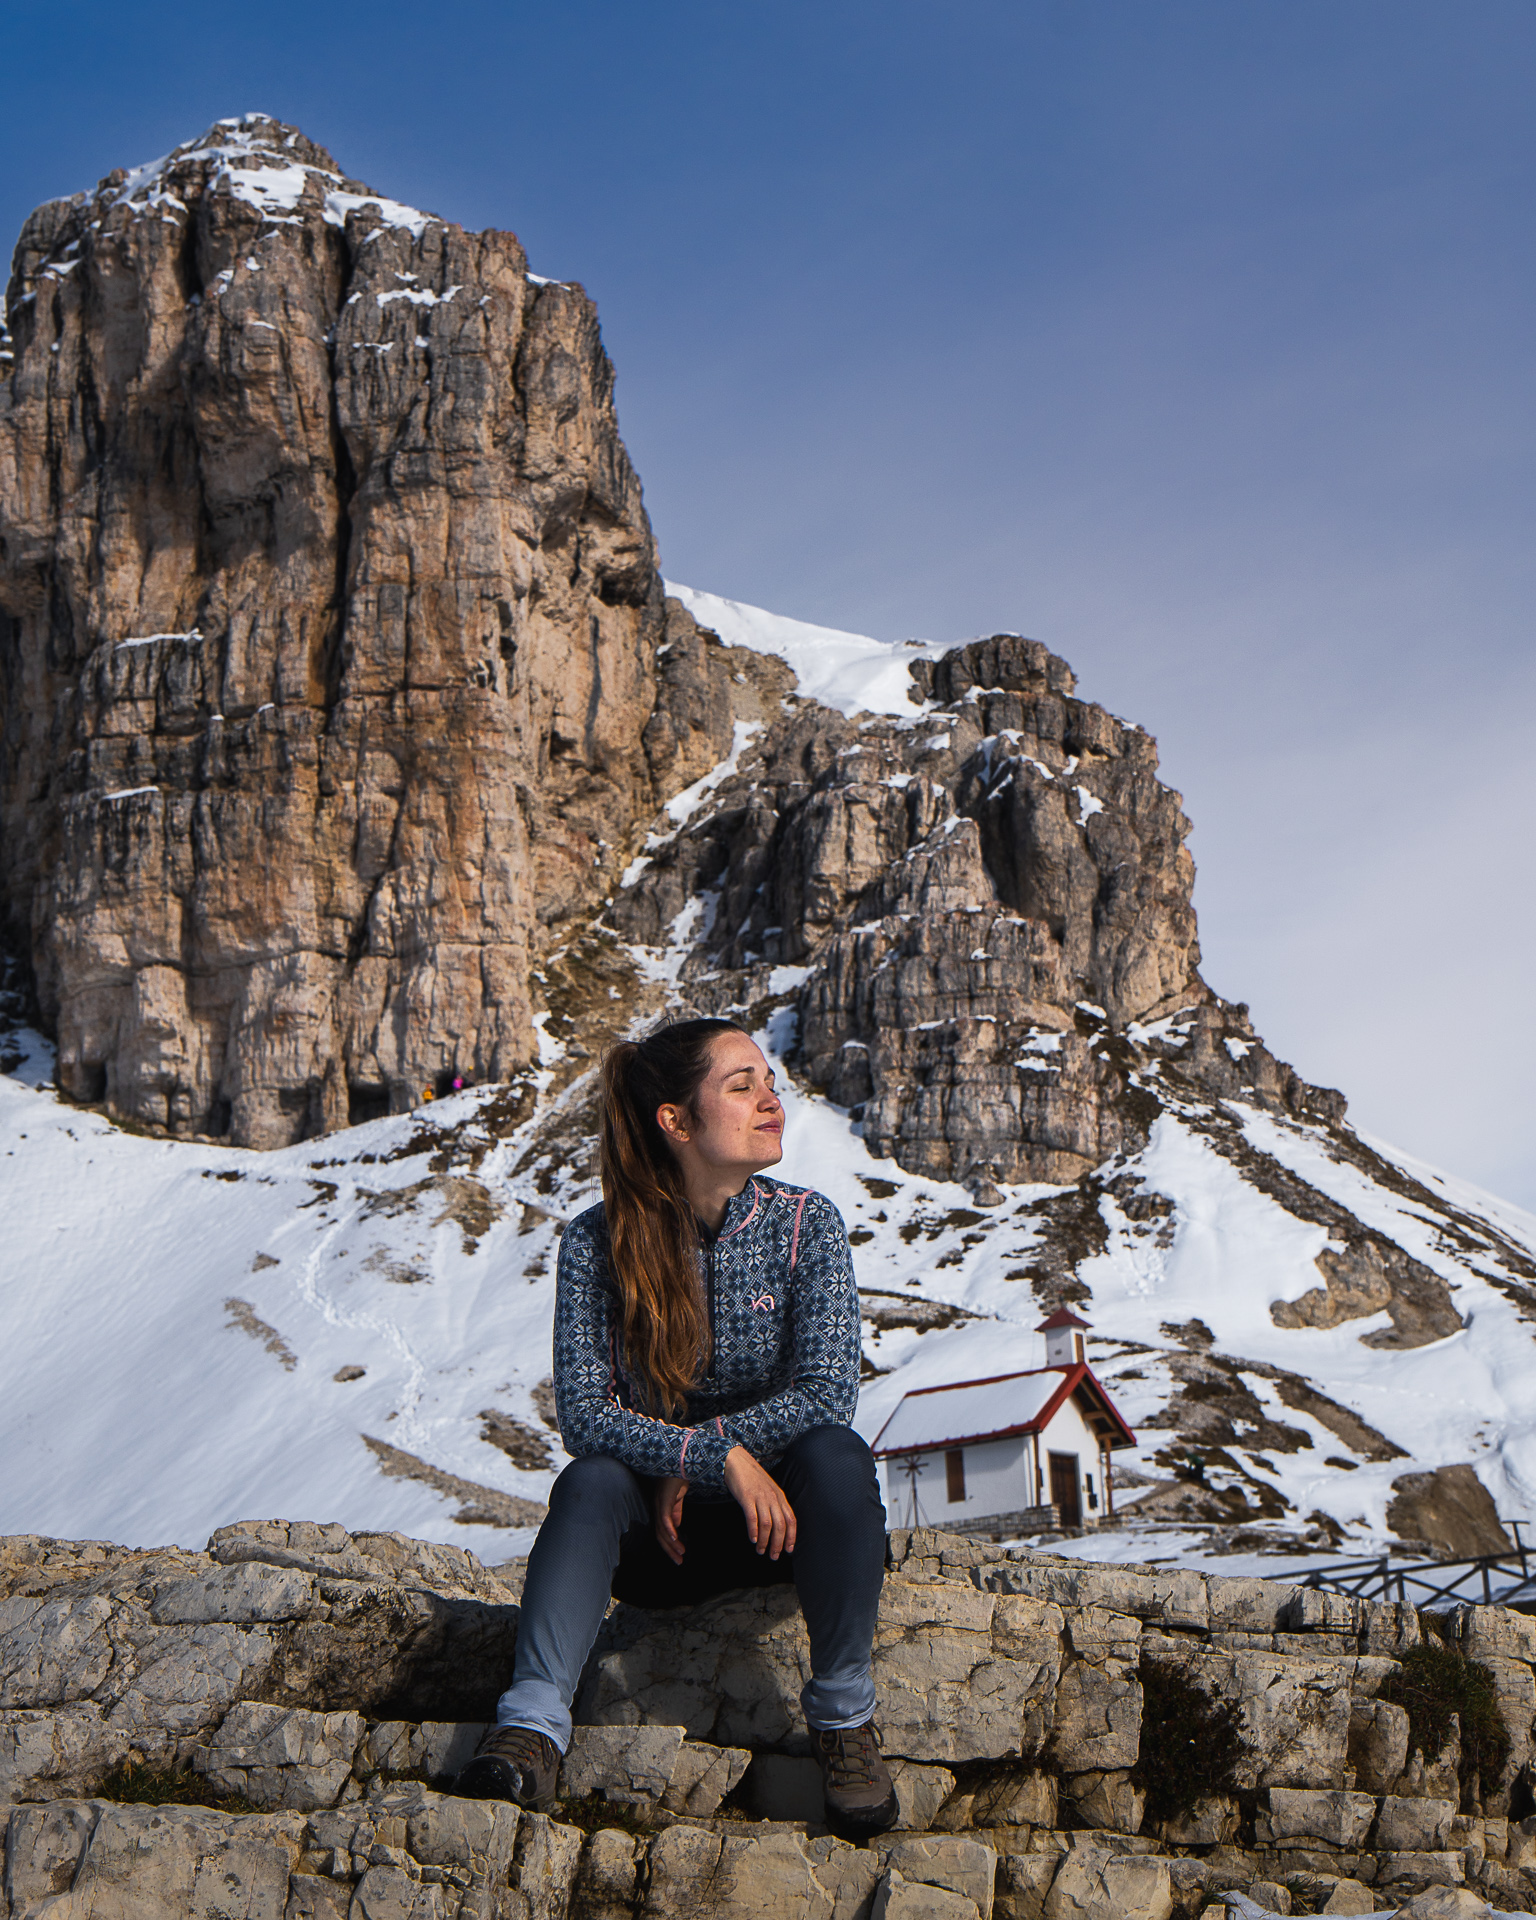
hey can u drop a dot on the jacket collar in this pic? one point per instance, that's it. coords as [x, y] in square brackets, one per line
[741, 1209]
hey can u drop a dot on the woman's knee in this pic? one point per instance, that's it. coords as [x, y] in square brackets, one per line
[831, 1464]
[593, 1483]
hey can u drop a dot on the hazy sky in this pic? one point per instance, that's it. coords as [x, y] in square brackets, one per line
[1193, 339]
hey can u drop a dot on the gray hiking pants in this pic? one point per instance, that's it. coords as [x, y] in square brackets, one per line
[599, 1539]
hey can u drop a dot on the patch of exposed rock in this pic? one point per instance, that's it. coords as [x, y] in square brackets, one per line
[330, 1685]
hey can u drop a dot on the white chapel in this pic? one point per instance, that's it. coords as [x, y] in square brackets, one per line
[1016, 1453]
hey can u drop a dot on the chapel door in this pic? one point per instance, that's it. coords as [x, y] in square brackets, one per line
[1064, 1489]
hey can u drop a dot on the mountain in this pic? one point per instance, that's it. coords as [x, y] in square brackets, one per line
[359, 767]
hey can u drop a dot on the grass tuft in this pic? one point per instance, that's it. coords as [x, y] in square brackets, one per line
[1190, 1743]
[1435, 1682]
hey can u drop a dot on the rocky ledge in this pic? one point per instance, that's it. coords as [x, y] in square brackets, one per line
[267, 1729]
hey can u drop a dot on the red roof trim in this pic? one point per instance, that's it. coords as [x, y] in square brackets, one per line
[1062, 1317]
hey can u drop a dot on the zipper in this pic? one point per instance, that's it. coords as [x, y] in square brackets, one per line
[709, 1292]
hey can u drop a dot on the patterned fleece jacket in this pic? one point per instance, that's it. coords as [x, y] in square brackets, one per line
[784, 1325]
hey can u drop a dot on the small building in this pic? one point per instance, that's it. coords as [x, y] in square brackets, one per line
[1016, 1453]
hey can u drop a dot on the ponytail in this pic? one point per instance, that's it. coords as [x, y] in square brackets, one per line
[652, 1234]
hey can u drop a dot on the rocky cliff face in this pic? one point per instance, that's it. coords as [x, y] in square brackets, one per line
[328, 620]
[991, 904]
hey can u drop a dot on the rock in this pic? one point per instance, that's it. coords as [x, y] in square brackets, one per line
[1449, 1510]
[755, 1878]
[51, 1751]
[477, 1838]
[1405, 1826]
[544, 1866]
[120, 1862]
[1107, 1800]
[965, 1866]
[1019, 1799]
[683, 1862]
[1097, 1725]
[920, 1792]
[1520, 1843]
[897, 1899]
[434, 1749]
[353, 535]
[1208, 1823]
[1444, 1903]
[1348, 1896]
[282, 1756]
[702, 1777]
[1439, 1869]
[1331, 1819]
[1270, 1897]
[607, 1877]
[1295, 1713]
[1378, 1744]
[1094, 1885]
[1023, 1881]
[959, 1674]
[627, 1765]
[313, 1897]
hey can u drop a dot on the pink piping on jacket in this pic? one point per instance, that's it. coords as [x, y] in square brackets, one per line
[794, 1244]
[757, 1194]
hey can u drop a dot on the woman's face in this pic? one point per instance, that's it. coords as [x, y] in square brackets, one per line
[737, 1122]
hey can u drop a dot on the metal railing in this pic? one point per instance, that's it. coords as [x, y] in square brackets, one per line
[1489, 1579]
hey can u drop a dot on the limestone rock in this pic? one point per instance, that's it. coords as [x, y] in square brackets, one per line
[1444, 1903]
[341, 579]
[702, 1777]
[607, 1876]
[1333, 1819]
[282, 1756]
[896, 1898]
[1378, 1744]
[965, 1866]
[1449, 1510]
[959, 1674]
[1405, 1826]
[1093, 1885]
[627, 1765]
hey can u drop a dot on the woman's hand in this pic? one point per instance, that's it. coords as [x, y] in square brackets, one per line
[670, 1495]
[770, 1517]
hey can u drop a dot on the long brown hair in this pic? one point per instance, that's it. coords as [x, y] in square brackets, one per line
[652, 1235]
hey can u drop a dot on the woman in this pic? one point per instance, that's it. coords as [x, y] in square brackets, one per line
[706, 1369]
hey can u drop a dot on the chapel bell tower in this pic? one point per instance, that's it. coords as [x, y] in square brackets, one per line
[1064, 1345]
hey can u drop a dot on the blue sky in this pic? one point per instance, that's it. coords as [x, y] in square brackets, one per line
[1193, 339]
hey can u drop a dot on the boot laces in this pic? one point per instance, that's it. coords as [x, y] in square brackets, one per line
[520, 1747]
[850, 1754]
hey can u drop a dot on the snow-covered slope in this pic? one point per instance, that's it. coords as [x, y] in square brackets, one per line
[357, 1329]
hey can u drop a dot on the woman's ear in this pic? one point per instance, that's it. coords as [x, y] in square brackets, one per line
[673, 1123]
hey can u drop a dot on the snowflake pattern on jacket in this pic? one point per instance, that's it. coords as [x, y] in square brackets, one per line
[784, 1316]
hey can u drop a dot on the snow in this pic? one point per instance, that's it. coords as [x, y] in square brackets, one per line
[684, 805]
[194, 638]
[127, 793]
[849, 671]
[242, 152]
[1088, 804]
[967, 1410]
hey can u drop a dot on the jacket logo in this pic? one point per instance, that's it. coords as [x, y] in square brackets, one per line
[763, 1303]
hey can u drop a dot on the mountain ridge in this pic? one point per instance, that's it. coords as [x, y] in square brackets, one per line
[366, 840]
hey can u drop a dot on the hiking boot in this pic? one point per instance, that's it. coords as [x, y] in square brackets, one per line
[856, 1783]
[512, 1763]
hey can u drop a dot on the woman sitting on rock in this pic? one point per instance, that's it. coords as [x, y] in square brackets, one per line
[706, 1368]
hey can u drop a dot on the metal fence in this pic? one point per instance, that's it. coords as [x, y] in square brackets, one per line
[1488, 1579]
